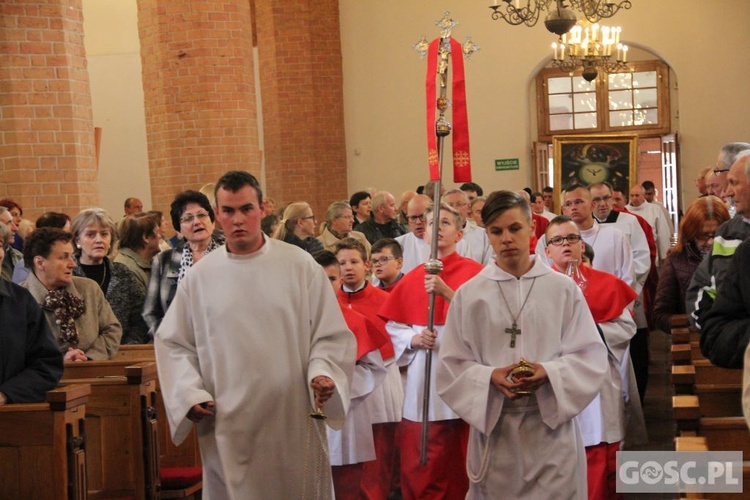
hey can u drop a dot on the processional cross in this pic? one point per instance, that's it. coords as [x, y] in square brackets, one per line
[438, 128]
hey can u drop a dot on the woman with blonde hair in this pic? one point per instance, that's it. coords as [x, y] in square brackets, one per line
[696, 236]
[297, 227]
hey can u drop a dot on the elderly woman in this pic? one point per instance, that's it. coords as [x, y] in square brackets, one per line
[78, 314]
[338, 225]
[297, 227]
[139, 244]
[695, 239]
[193, 217]
[94, 235]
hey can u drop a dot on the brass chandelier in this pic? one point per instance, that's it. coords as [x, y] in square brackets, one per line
[595, 48]
[560, 18]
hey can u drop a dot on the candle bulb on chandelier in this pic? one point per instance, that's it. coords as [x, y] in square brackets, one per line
[624, 53]
[554, 51]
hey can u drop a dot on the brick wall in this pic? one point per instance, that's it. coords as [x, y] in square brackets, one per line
[299, 50]
[46, 126]
[199, 93]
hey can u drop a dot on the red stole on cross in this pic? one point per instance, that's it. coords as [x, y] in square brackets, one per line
[367, 302]
[368, 336]
[408, 302]
[461, 155]
[606, 294]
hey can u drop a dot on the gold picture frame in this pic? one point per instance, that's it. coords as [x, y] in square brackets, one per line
[595, 158]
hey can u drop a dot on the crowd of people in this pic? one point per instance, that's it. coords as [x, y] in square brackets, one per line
[531, 335]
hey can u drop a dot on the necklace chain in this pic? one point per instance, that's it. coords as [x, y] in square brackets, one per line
[515, 318]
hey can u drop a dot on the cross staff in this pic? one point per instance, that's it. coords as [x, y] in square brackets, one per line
[442, 129]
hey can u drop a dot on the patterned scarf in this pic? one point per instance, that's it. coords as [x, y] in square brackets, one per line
[67, 307]
[187, 258]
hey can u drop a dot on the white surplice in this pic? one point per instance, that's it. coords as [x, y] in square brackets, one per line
[353, 443]
[416, 250]
[532, 447]
[603, 420]
[250, 332]
[655, 216]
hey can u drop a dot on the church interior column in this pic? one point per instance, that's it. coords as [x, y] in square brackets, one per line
[47, 153]
[199, 93]
[301, 77]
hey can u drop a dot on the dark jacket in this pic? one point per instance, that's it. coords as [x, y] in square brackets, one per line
[374, 231]
[726, 326]
[125, 295]
[310, 245]
[674, 278]
[30, 360]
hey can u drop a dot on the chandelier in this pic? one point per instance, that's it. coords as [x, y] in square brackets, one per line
[559, 18]
[592, 48]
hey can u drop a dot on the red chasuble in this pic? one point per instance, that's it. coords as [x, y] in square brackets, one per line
[407, 303]
[368, 336]
[606, 294]
[367, 302]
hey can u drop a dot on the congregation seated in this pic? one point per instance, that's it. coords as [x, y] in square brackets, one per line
[139, 244]
[338, 225]
[32, 363]
[694, 241]
[297, 227]
[193, 217]
[95, 235]
[48, 219]
[77, 313]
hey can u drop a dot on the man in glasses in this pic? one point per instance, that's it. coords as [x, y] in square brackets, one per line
[602, 421]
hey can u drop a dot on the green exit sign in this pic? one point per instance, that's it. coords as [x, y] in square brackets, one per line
[506, 164]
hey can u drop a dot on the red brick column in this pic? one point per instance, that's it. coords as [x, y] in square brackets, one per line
[299, 50]
[199, 92]
[47, 158]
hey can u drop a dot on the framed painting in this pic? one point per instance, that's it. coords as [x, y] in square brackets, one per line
[595, 158]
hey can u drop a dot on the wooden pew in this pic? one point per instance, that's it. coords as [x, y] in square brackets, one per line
[172, 457]
[42, 447]
[123, 456]
[719, 389]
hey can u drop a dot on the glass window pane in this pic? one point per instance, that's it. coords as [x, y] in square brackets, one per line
[560, 103]
[559, 85]
[585, 120]
[581, 85]
[645, 98]
[621, 99]
[644, 79]
[646, 117]
[584, 102]
[620, 118]
[561, 122]
[620, 81]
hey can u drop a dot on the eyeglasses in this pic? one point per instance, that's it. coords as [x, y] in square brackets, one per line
[381, 261]
[348, 217]
[190, 218]
[558, 240]
[309, 217]
[718, 171]
[415, 218]
[703, 237]
[605, 199]
[457, 205]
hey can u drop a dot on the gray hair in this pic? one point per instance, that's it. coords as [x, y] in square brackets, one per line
[91, 216]
[728, 153]
[5, 233]
[335, 208]
[738, 157]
